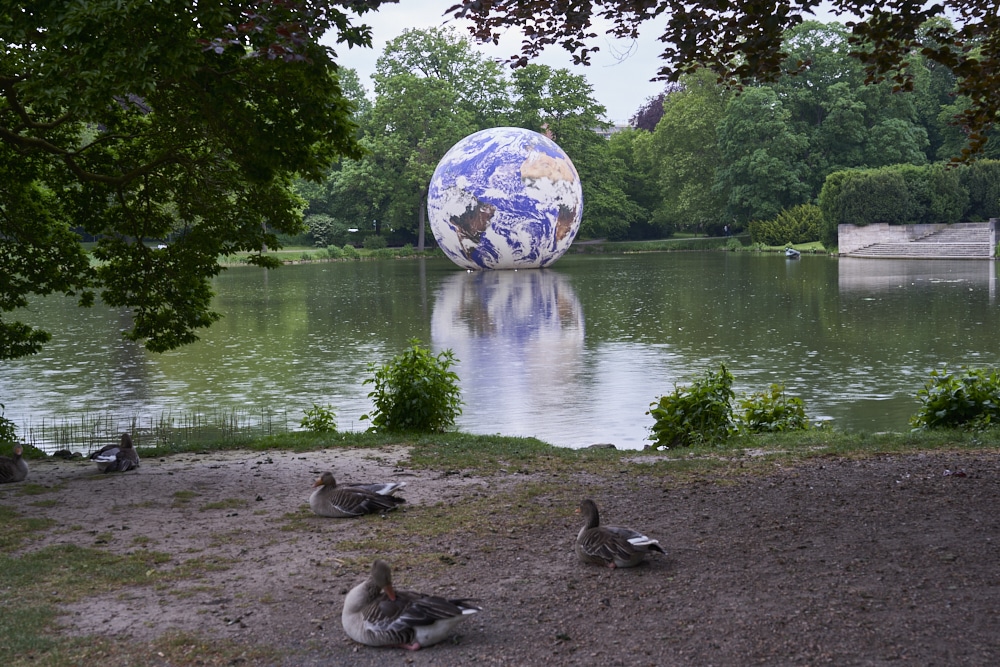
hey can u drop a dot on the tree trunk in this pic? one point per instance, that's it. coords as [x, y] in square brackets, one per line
[421, 220]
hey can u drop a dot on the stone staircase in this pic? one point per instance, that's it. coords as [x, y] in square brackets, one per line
[964, 240]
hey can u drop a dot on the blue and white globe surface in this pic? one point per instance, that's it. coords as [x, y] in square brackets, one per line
[505, 198]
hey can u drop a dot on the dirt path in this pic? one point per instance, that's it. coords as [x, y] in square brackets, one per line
[886, 561]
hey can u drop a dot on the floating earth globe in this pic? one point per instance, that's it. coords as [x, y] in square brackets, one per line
[505, 198]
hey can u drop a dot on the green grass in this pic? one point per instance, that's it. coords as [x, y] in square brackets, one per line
[462, 453]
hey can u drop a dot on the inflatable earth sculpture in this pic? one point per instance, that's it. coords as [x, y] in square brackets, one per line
[505, 198]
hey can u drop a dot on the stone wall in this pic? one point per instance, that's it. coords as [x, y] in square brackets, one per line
[852, 237]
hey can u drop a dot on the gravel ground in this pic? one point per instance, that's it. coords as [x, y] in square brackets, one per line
[883, 561]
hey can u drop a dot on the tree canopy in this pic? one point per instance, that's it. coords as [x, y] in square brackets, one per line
[743, 42]
[138, 124]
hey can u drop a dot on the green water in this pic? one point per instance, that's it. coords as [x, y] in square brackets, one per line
[573, 354]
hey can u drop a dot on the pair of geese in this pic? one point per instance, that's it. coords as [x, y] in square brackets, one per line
[376, 614]
[110, 458]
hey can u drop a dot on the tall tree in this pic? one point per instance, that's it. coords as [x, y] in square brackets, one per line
[743, 42]
[431, 89]
[136, 121]
[686, 152]
[762, 157]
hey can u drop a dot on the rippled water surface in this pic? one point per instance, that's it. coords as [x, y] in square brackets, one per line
[573, 355]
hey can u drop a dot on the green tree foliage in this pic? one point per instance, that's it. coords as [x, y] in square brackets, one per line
[687, 158]
[799, 224]
[431, 89]
[762, 169]
[136, 121]
[744, 42]
[632, 149]
[415, 391]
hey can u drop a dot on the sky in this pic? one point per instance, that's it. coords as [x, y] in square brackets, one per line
[620, 72]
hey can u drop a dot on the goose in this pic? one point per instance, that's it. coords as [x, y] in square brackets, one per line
[13, 468]
[352, 500]
[610, 545]
[375, 614]
[120, 457]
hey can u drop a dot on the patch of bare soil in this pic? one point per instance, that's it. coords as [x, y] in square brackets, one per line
[884, 561]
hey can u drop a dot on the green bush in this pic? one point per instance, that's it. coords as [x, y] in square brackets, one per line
[375, 242]
[415, 391]
[319, 419]
[799, 224]
[699, 414]
[334, 252]
[969, 400]
[350, 252]
[772, 411]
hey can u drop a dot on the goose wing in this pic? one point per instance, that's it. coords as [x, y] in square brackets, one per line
[353, 501]
[399, 619]
[380, 488]
[106, 454]
[606, 543]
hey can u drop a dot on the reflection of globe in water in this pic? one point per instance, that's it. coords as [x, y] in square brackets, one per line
[505, 198]
[523, 334]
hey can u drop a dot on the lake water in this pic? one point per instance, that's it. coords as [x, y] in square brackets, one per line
[572, 355]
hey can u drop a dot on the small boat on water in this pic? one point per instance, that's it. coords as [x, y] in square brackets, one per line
[792, 253]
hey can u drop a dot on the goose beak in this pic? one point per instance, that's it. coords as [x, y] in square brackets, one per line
[391, 594]
[318, 482]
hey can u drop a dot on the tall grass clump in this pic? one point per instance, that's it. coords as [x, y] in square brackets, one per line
[166, 430]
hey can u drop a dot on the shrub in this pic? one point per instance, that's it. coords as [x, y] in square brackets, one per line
[334, 252]
[970, 400]
[415, 391]
[375, 242]
[799, 224]
[319, 419]
[699, 414]
[350, 252]
[771, 411]
[306, 256]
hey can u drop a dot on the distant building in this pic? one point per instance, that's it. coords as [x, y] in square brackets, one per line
[606, 132]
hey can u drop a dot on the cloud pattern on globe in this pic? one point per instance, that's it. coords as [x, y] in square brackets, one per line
[505, 198]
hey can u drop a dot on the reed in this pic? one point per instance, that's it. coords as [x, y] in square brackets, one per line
[168, 429]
